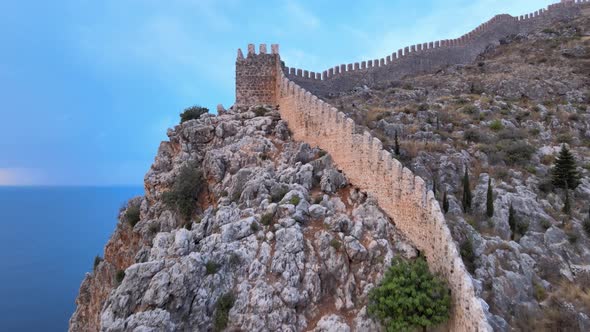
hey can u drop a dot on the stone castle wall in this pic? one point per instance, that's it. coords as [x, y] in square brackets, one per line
[429, 57]
[403, 196]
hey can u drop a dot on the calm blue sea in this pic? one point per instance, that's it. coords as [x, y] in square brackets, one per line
[48, 239]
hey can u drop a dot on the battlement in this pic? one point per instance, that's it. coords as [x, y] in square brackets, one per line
[262, 79]
[256, 76]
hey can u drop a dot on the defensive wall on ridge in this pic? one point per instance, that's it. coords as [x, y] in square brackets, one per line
[429, 57]
[261, 79]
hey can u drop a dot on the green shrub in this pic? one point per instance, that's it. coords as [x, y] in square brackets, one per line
[540, 293]
[408, 297]
[572, 237]
[211, 267]
[193, 112]
[474, 135]
[222, 307]
[185, 191]
[336, 244]
[154, 228]
[278, 196]
[267, 219]
[565, 173]
[120, 276]
[546, 224]
[468, 255]
[97, 260]
[260, 111]
[132, 214]
[254, 227]
[294, 200]
[517, 152]
[496, 125]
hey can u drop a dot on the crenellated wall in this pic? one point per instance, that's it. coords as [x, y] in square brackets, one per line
[431, 56]
[260, 79]
[403, 196]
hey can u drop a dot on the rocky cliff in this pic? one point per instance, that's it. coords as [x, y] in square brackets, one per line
[279, 231]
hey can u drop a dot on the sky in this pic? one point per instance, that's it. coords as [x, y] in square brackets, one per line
[88, 88]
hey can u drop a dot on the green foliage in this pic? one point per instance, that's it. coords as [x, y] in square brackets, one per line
[211, 267]
[185, 191]
[565, 170]
[260, 111]
[132, 214]
[193, 112]
[97, 260]
[154, 228]
[445, 203]
[267, 219]
[540, 293]
[408, 297]
[490, 199]
[572, 237]
[222, 307]
[496, 125]
[278, 196]
[336, 244]
[468, 255]
[119, 276]
[516, 152]
[512, 221]
[254, 227]
[466, 192]
[294, 200]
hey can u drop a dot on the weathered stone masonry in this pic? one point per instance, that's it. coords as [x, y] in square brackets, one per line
[260, 79]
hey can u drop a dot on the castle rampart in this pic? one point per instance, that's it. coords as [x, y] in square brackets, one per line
[432, 56]
[260, 79]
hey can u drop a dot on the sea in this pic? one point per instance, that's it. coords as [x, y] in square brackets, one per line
[49, 237]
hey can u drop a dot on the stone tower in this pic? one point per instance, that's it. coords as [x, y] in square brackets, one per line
[256, 76]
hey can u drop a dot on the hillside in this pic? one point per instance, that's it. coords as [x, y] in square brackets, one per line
[505, 116]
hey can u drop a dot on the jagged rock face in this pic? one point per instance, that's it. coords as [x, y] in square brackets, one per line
[277, 227]
[530, 92]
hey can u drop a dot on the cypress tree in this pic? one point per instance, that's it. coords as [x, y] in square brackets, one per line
[445, 203]
[396, 146]
[490, 200]
[565, 171]
[512, 221]
[434, 186]
[466, 192]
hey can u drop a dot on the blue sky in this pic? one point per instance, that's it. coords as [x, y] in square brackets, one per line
[88, 88]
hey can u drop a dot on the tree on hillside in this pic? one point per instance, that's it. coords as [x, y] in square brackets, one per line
[409, 297]
[396, 144]
[466, 192]
[445, 203]
[511, 221]
[490, 199]
[565, 171]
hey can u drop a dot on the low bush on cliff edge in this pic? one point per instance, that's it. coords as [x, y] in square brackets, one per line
[222, 308]
[132, 214]
[409, 296]
[193, 112]
[184, 193]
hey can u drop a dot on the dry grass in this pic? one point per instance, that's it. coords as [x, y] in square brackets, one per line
[412, 148]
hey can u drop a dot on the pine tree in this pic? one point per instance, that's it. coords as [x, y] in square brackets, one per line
[445, 203]
[567, 209]
[565, 170]
[466, 192]
[512, 221]
[396, 146]
[490, 200]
